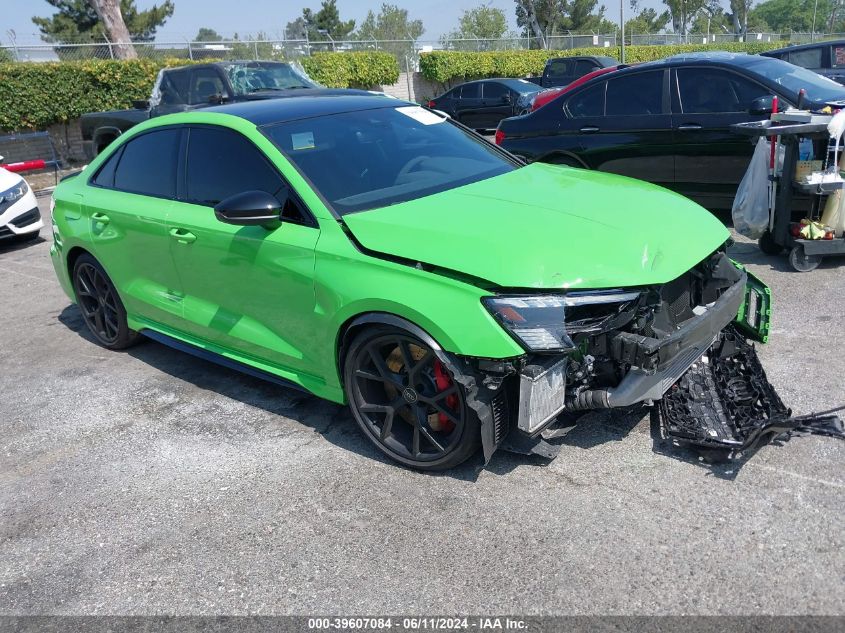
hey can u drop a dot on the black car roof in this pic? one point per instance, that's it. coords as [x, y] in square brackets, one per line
[602, 58]
[800, 47]
[267, 111]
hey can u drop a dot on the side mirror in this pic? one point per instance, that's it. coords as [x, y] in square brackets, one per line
[141, 104]
[250, 208]
[761, 105]
[506, 98]
[217, 99]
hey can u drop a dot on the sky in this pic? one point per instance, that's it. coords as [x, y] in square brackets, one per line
[270, 16]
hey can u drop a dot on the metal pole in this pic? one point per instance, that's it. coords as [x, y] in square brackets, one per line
[190, 51]
[622, 27]
[813, 32]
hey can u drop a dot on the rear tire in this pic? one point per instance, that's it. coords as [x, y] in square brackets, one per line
[102, 309]
[406, 402]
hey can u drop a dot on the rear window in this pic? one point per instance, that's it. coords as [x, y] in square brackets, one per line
[374, 158]
[148, 164]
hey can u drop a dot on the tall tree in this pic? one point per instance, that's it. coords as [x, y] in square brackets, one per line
[646, 20]
[545, 18]
[784, 16]
[296, 29]
[683, 13]
[81, 21]
[484, 22]
[327, 20]
[391, 23]
[206, 34]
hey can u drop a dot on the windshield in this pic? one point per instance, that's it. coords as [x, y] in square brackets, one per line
[793, 78]
[373, 158]
[524, 86]
[247, 77]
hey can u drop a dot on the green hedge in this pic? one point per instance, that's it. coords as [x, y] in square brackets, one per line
[352, 70]
[36, 95]
[448, 66]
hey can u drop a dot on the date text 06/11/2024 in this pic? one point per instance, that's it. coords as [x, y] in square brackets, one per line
[422, 623]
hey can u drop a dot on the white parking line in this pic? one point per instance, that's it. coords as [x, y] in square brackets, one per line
[824, 482]
[17, 272]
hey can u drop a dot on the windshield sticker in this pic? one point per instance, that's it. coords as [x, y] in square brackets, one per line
[418, 114]
[302, 140]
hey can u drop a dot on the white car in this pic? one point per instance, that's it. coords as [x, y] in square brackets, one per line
[19, 214]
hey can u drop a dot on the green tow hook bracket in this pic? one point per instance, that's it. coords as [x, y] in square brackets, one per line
[755, 314]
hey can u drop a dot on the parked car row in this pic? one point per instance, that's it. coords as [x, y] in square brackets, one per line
[667, 122]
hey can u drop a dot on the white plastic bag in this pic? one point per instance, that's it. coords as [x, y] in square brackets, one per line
[751, 206]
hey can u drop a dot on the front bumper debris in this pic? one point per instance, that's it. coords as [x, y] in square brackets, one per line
[725, 402]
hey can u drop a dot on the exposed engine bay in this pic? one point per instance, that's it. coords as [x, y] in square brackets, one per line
[682, 345]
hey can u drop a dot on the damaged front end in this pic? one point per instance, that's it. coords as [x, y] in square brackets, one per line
[682, 343]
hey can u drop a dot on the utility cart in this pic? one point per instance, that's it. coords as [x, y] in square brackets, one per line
[804, 254]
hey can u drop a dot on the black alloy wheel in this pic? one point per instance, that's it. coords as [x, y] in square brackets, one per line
[102, 309]
[407, 402]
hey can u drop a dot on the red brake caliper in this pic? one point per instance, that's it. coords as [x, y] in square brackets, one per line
[443, 382]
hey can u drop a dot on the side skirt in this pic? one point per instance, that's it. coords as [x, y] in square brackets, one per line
[218, 359]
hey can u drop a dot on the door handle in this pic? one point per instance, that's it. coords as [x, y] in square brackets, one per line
[589, 128]
[686, 127]
[183, 236]
[102, 218]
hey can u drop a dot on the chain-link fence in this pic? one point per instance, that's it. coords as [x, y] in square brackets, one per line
[404, 50]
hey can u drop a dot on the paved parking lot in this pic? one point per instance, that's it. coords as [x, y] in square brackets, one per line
[150, 482]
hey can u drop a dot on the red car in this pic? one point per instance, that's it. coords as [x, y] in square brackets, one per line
[542, 98]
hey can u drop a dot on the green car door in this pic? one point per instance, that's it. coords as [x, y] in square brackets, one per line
[247, 289]
[127, 207]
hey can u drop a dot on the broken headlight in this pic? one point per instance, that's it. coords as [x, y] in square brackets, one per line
[539, 322]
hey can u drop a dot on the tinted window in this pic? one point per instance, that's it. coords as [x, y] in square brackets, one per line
[635, 95]
[388, 155]
[810, 58]
[222, 163]
[105, 177]
[584, 66]
[708, 90]
[148, 164]
[174, 87]
[471, 91]
[494, 90]
[205, 83]
[559, 67]
[587, 103]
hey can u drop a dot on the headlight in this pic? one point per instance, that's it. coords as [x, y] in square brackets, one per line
[538, 322]
[15, 193]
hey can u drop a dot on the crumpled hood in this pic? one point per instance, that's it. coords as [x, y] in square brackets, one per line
[544, 226]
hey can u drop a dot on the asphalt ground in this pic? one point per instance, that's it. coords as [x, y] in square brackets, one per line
[151, 482]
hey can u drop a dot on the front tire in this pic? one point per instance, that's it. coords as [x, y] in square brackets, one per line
[406, 402]
[102, 309]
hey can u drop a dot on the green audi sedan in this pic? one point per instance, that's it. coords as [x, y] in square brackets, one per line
[376, 253]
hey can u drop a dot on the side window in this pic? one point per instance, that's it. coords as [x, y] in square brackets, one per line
[560, 68]
[471, 91]
[635, 95]
[222, 163]
[493, 90]
[105, 176]
[809, 58]
[148, 164]
[710, 90]
[837, 57]
[587, 103]
[174, 87]
[584, 66]
[205, 83]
